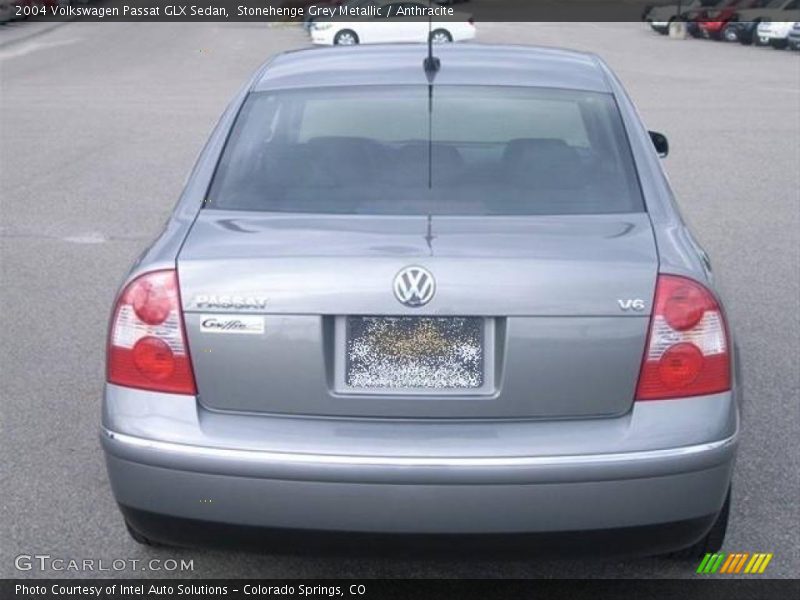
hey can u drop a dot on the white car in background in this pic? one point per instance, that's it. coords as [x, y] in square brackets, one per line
[775, 33]
[373, 30]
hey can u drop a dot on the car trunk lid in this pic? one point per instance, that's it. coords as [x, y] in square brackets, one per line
[556, 306]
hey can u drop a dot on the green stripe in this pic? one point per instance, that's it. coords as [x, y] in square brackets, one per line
[702, 566]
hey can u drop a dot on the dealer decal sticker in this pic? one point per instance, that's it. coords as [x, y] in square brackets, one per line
[232, 324]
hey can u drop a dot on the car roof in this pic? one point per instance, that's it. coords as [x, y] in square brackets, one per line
[461, 64]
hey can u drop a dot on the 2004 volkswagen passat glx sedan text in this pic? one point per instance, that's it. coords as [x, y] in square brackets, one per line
[414, 296]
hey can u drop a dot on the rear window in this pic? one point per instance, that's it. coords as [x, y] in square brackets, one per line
[467, 150]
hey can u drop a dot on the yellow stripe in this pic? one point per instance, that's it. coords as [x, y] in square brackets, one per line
[728, 563]
[741, 562]
[759, 558]
[765, 563]
[751, 563]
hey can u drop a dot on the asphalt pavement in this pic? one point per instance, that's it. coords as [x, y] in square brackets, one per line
[99, 125]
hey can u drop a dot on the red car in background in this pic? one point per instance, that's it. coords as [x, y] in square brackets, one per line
[713, 23]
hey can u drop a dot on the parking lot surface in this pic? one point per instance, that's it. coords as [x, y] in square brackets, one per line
[100, 123]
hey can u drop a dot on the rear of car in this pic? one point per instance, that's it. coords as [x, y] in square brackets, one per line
[385, 305]
[793, 38]
[776, 33]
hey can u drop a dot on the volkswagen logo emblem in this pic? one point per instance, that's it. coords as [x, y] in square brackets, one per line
[414, 286]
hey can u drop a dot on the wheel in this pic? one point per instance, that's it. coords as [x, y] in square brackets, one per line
[779, 44]
[794, 45]
[346, 37]
[712, 541]
[139, 538]
[747, 36]
[730, 34]
[665, 30]
[441, 36]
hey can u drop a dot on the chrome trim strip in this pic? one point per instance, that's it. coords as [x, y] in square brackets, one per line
[258, 456]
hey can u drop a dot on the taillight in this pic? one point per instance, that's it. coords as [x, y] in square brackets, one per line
[146, 343]
[687, 350]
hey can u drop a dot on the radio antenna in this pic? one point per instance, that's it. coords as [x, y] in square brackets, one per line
[431, 63]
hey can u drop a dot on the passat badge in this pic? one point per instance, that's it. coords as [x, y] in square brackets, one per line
[237, 324]
[225, 301]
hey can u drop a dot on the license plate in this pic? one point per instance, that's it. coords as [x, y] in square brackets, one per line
[414, 353]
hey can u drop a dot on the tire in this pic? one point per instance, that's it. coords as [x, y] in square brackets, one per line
[729, 34]
[713, 540]
[139, 538]
[779, 44]
[441, 36]
[346, 37]
[748, 38]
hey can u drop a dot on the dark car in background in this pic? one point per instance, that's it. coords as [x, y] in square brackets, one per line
[743, 26]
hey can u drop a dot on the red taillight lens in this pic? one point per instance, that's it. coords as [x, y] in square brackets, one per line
[687, 350]
[153, 358]
[684, 307]
[680, 365]
[146, 343]
[151, 299]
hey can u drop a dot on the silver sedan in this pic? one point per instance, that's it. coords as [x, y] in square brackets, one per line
[425, 295]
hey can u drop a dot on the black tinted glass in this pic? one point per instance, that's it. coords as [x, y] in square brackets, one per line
[378, 150]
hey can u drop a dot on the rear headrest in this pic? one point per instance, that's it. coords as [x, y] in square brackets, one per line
[544, 163]
[283, 164]
[345, 160]
[413, 159]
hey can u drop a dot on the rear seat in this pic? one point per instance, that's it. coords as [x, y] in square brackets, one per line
[344, 161]
[548, 164]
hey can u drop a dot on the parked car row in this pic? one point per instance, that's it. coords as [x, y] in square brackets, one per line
[758, 22]
[398, 22]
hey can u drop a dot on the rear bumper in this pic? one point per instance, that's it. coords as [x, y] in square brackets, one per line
[418, 470]
[650, 539]
[476, 508]
[664, 463]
